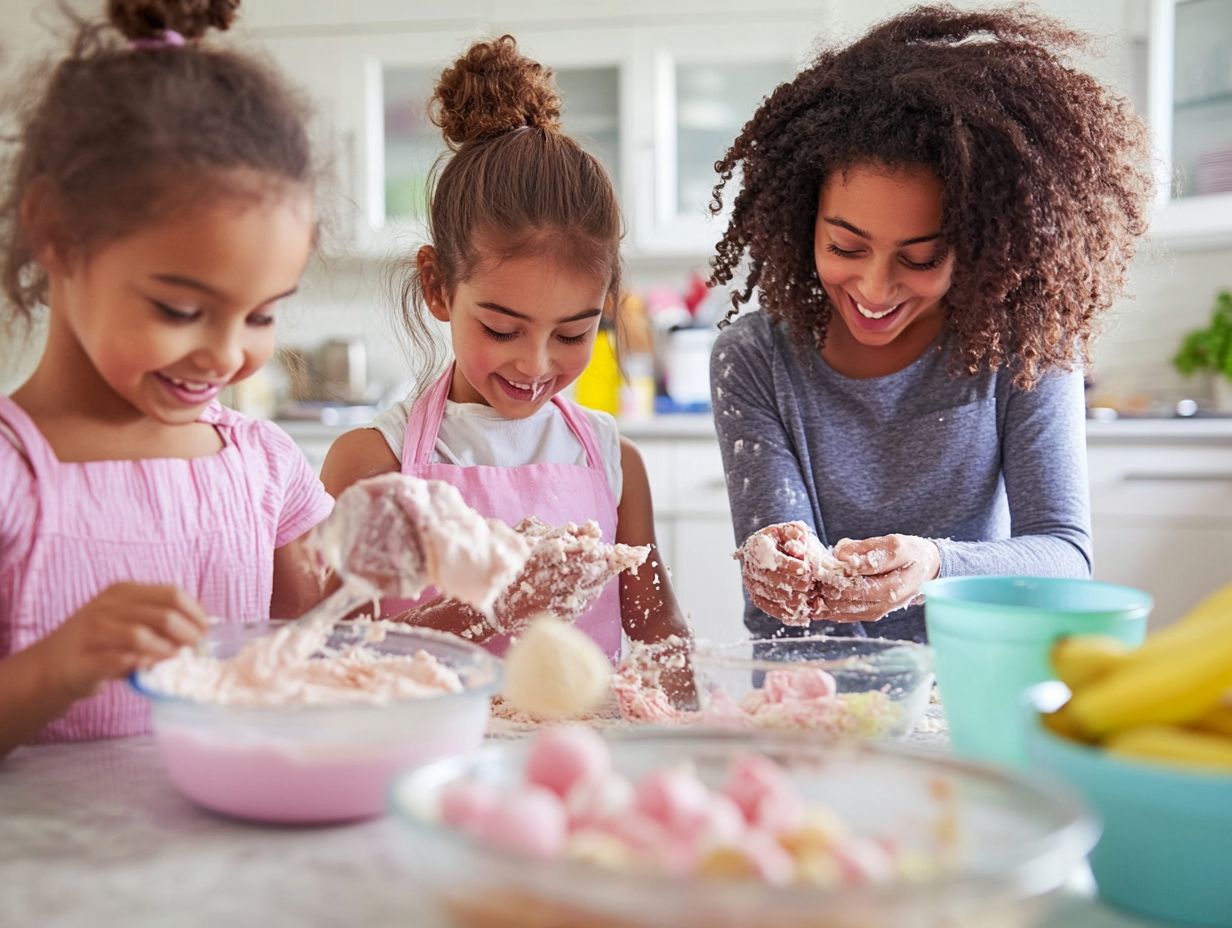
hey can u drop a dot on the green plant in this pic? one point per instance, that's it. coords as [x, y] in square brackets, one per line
[1209, 349]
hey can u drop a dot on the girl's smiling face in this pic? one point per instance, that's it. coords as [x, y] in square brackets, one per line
[882, 263]
[158, 322]
[522, 330]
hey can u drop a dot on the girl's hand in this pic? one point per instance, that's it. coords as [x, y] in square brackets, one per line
[125, 627]
[563, 587]
[889, 570]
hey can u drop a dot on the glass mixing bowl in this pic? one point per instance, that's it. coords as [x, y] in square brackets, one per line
[1012, 842]
[882, 685]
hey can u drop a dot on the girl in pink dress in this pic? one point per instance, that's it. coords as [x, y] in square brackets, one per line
[159, 209]
[523, 264]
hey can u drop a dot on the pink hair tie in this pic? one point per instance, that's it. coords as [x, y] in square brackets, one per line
[168, 38]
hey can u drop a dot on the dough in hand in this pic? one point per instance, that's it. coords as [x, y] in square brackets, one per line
[554, 670]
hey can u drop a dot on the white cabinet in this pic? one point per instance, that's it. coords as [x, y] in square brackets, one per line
[693, 524]
[657, 93]
[1189, 100]
[1161, 511]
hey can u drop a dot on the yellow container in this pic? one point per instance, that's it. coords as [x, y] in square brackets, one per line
[598, 387]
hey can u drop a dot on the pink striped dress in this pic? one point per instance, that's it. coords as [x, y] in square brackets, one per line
[209, 525]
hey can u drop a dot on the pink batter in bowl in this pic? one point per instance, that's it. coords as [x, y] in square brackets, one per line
[318, 763]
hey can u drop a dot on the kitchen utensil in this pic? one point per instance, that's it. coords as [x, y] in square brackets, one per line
[991, 636]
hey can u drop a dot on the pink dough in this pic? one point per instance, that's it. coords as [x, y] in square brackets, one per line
[750, 779]
[594, 800]
[673, 797]
[563, 756]
[466, 802]
[530, 821]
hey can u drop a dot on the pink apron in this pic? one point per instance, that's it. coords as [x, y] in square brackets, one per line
[556, 493]
[195, 523]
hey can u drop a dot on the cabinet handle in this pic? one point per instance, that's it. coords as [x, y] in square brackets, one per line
[1152, 475]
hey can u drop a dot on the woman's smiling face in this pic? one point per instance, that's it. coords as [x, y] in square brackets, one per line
[880, 257]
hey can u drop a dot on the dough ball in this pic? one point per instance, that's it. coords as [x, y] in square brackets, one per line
[555, 671]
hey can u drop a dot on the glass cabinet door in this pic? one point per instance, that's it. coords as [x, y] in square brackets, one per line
[413, 144]
[712, 101]
[1202, 98]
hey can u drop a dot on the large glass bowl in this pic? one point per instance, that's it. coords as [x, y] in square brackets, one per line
[1017, 841]
[317, 763]
[882, 685]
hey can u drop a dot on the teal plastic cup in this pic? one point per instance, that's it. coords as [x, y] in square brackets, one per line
[991, 637]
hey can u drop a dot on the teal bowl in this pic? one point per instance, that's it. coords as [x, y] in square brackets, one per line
[1167, 836]
[991, 637]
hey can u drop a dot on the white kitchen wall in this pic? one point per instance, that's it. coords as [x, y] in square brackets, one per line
[1170, 291]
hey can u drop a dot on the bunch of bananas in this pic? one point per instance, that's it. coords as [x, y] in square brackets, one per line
[1168, 701]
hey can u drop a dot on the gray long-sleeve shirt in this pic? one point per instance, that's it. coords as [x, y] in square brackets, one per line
[995, 475]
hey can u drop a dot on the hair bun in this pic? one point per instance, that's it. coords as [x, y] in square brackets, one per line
[146, 19]
[493, 89]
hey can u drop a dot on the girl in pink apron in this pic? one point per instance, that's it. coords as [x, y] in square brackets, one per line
[523, 264]
[134, 505]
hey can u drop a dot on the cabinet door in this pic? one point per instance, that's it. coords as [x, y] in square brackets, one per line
[707, 579]
[1162, 521]
[697, 88]
[1190, 109]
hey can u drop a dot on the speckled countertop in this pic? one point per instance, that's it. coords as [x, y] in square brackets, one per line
[94, 835]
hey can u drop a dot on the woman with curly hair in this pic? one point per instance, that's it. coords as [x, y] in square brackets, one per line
[933, 219]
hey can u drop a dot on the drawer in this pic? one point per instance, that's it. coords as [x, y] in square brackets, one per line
[1183, 484]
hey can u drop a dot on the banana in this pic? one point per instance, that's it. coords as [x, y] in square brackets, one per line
[1215, 608]
[1175, 746]
[1061, 723]
[1079, 659]
[1217, 721]
[1165, 686]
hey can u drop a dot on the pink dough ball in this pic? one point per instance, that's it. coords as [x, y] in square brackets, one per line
[561, 757]
[772, 863]
[721, 823]
[465, 802]
[779, 812]
[814, 683]
[751, 778]
[597, 799]
[530, 820]
[639, 832]
[674, 797]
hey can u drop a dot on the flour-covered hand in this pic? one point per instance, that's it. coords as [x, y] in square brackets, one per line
[783, 566]
[569, 567]
[886, 573]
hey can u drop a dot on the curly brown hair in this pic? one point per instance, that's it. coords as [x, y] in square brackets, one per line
[118, 135]
[1046, 179]
[515, 183]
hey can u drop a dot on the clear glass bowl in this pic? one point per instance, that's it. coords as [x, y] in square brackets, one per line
[317, 763]
[883, 685]
[1018, 840]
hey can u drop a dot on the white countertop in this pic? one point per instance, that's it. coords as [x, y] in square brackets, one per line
[701, 426]
[93, 834]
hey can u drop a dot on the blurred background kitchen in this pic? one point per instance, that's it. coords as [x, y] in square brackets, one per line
[657, 88]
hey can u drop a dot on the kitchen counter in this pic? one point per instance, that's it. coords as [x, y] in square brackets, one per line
[93, 834]
[1216, 429]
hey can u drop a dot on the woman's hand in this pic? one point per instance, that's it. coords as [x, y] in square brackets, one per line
[125, 627]
[781, 566]
[888, 573]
